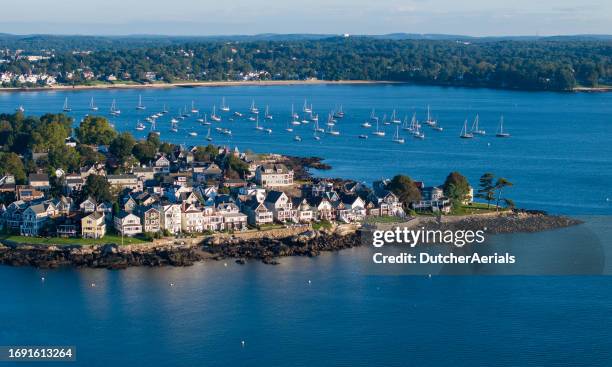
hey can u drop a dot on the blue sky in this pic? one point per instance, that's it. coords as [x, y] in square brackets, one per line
[203, 17]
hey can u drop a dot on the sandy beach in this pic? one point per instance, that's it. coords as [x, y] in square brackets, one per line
[195, 84]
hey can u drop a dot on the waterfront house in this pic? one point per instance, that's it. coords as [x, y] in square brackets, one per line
[304, 212]
[170, 215]
[88, 205]
[67, 226]
[93, 225]
[34, 219]
[257, 213]
[149, 217]
[13, 215]
[323, 208]
[280, 205]
[192, 219]
[274, 175]
[212, 219]
[127, 224]
[233, 219]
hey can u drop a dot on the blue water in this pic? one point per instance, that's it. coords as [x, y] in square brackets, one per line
[559, 158]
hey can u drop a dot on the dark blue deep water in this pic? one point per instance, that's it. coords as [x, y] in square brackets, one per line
[559, 158]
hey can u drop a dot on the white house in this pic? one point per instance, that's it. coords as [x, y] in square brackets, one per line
[274, 175]
[127, 224]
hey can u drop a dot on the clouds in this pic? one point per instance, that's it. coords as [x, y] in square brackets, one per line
[197, 17]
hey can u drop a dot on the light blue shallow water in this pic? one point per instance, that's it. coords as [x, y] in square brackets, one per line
[559, 158]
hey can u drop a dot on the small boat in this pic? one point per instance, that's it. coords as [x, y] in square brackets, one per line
[257, 127]
[317, 129]
[205, 121]
[405, 124]
[208, 137]
[224, 107]
[92, 105]
[378, 132]
[174, 126]
[476, 129]
[20, 109]
[306, 109]
[339, 113]
[267, 115]
[268, 130]
[396, 136]
[363, 136]
[193, 108]
[193, 133]
[333, 132]
[213, 115]
[164, 110]
[430, 121]
[140, 106]
[294, 117]
[226, 132]
[297, 138]
[465, 134]
[384, 120]
[66, 106]
[366, 124]
[500, 132]
[395, 119]
[437, 128]
[237, 114]
[140, 126]
[254, 110]
[251, 118]
[314, 118]
[288, 128]
[113, 110]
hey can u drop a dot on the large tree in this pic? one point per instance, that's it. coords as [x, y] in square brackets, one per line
[500, 185]
[121, 147]
[405, 189]
[487, 188]
[97, 187]
[11, 164]
[456, 187]
[96, 130]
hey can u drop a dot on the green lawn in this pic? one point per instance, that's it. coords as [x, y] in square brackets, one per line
[474, 208]
[72, 241]
[384, 219]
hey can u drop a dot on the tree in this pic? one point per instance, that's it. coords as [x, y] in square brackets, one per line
[487, 188]
[456, 187]
[144, 151]
[95, 130]
[11, 164]
[64, 157]
[405, 189]
[121, 147]
[500, 185]
[98, 188]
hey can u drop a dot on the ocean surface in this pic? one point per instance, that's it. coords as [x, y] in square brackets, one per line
[333, 310]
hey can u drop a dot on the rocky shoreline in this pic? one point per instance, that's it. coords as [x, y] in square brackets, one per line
[268, 250]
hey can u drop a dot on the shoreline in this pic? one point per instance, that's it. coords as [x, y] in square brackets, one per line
[197, 84]
[262, 83]
[265, 247]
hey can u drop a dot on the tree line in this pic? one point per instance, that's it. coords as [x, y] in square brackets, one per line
[513, 64]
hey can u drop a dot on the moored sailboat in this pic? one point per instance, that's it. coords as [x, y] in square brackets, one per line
[500, 132]
[465, 134]
[475, 128]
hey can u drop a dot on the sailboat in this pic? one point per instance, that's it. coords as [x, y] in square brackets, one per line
[224, 107]
[405, 125]
[113, 110]
[153, 128]
[140, 126]
[339, 114]
[316, 127]
[366, 124]
[213, 115]
[500, 131]
[205, 121]
[378, 132]
[294, 117]
[288, 128]
[164, 110]
[174, 126]
[268, 115]
[193, 108]
[306, 109]
[92, 105]
[385, 122]
[464, 132]
[254, 109]
[330, 119]
[257, 127]
[297, 138]
[418, 134]
[331, 131]
[208, 137]
[394, 118]
[140, 106]
[396, 136]
[193, 133]
[476, 129]
[430, 121]
[66, 107]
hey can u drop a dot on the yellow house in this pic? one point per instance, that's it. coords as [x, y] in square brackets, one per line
[93, 225]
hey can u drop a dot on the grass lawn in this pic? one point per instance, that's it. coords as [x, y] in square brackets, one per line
[384, 219]
[474, 208]
[73, 241]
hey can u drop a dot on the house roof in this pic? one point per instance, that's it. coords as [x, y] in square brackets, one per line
[38, 177]
[273, 196]
[95, 215]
